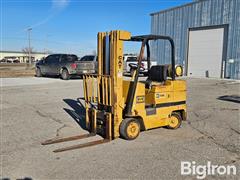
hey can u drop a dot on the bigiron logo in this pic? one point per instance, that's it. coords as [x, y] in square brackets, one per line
[202, 171]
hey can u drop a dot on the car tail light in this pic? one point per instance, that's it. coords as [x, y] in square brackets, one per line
[74, 66]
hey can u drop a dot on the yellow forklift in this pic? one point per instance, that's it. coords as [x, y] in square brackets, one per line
[117, 106]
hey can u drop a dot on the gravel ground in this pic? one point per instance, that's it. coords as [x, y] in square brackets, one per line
[33, 110]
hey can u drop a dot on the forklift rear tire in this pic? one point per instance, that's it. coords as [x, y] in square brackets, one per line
[129, 128]
[175, 121]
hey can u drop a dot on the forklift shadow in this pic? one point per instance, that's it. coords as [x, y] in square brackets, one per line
[77, 112]
[231, 98]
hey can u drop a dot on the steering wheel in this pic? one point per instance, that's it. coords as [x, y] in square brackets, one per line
[132, 66]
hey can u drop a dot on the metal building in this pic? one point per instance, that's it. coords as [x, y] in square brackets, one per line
[206, 34]
[22, 57]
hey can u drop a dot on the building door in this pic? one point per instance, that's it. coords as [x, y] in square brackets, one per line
[206, 51]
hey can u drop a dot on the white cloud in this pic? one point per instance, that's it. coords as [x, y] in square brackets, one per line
[60, 4]
[57, 7]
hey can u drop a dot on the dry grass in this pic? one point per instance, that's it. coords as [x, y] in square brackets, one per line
[16, 70]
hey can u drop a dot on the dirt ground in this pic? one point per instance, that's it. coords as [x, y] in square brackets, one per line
[9, 70]
[36, 109]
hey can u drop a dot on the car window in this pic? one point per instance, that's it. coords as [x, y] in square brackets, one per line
[55, 59]
[131, 59]
[48, 59]
[64, 58]
[134, 59]
[84, 58]
[69, 58]
[72, 58]
[87, 58]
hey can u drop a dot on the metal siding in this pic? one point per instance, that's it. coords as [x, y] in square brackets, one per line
[175, 22]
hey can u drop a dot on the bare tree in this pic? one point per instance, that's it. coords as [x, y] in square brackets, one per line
[27, 50]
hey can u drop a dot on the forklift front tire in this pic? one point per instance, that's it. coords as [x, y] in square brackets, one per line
[175, 121]
[129, 128]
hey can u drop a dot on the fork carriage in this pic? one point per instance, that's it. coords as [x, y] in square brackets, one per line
[98, 104]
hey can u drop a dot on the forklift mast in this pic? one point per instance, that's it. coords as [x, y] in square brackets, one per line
[108, 95]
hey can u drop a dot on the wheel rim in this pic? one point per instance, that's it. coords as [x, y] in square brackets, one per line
[133, 129]
[38, 72]
[173, 122]
[64, 74]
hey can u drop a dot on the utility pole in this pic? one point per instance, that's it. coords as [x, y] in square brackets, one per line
[29, 46]
[46, 46]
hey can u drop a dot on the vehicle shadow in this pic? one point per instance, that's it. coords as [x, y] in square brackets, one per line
[77, 112]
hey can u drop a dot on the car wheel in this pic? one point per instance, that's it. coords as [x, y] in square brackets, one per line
[65, 74]
[38, 72]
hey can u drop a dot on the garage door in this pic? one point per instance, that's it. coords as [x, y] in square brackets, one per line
[205, 51]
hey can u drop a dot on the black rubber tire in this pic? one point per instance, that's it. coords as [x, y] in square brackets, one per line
[38, 72]
[65, 74]
[123, 128]
[178, 116]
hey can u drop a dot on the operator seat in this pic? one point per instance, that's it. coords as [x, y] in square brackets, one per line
[157, 73]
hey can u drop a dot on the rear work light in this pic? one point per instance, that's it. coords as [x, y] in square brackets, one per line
[74, 66]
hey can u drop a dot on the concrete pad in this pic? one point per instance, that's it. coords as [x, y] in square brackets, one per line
[33, 110]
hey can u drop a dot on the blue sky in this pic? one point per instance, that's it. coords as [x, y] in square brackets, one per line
[71, 26]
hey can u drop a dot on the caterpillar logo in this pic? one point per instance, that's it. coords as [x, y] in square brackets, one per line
[161, 95]
[140, 99]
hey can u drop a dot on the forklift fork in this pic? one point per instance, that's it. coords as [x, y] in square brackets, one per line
[65, 139]
[93, 132]
[78, 146]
